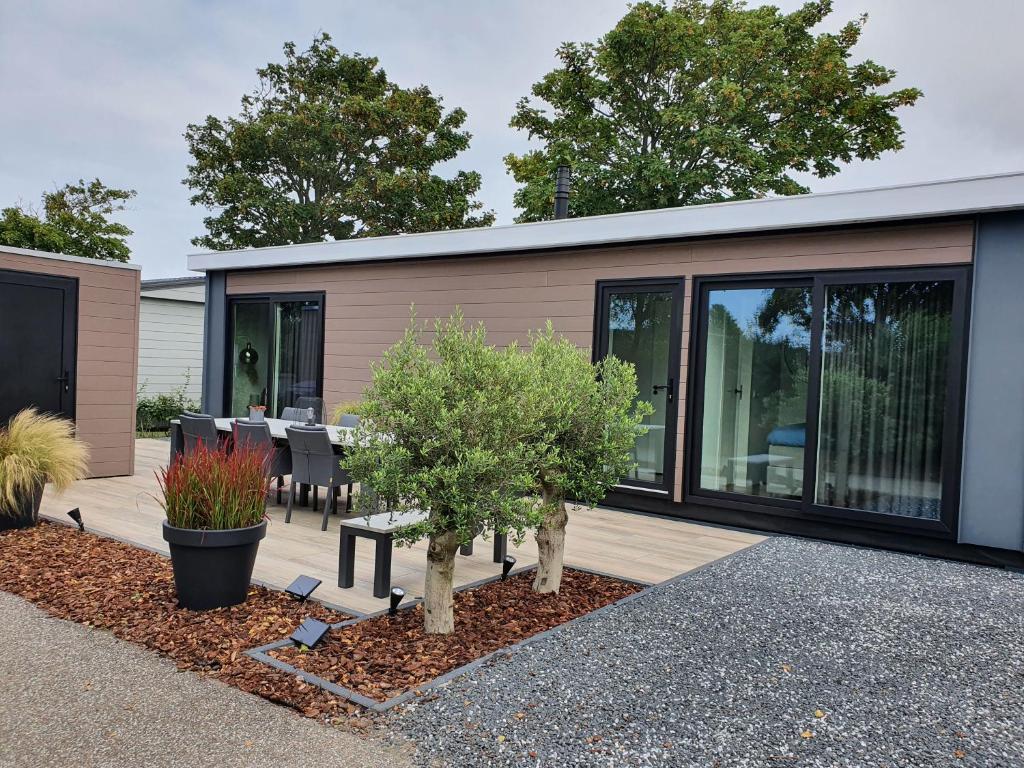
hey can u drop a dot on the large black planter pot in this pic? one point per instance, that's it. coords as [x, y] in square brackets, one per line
[25, 513]
[212, 568]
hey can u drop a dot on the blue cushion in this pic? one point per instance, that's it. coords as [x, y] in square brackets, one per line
[793, 435]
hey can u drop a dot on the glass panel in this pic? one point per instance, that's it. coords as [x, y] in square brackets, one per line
[640, 332]
[885, 355]
[755, 391]
[296, 370]
[250, 355]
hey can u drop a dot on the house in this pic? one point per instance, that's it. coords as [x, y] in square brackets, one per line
[69, 331]
[847, 365]
[171, 336]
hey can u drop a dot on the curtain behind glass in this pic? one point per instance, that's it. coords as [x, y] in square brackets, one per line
[885, 354]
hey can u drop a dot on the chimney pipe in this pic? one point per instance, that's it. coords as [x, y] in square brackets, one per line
[562, 177]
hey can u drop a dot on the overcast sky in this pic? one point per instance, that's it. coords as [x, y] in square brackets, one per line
[106, 88]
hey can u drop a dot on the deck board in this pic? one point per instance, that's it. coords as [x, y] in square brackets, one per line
[641, 547]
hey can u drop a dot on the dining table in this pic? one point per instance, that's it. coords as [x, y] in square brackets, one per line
[340, 437]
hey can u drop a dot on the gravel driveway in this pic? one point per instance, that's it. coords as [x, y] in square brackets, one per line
[792, 653]
[74, 696]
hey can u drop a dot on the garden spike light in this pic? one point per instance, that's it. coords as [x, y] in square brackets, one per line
[507, 565]
[76, 515]
[397, 596]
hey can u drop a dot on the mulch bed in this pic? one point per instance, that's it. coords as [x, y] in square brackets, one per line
[383, 657]
[130, 592]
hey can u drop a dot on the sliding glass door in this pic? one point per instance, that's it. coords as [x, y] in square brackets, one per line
[639, 321]
[834, 395]
[276, 345]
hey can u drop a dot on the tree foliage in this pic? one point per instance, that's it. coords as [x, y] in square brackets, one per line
[703, 101]
[327, 148]
[444, 429]
[588, 419]
[75, 220]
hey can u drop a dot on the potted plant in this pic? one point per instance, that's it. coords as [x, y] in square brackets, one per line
[256, 413]
[35, 449]
[215, 503]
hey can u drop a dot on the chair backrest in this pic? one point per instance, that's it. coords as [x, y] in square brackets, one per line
[251, 433]
[316, 403]
[291, 413]
[348, 420]
[198, 428]
[313, 459]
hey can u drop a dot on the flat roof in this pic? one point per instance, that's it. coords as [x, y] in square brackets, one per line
[65, 257]
[172, 282]
[951, 197]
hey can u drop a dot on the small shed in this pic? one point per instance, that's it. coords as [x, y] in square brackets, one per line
[69, 330]
[171, 336]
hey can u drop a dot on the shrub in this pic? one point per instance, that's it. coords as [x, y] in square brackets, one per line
[37, 448]
[212, 489]
[154, 414]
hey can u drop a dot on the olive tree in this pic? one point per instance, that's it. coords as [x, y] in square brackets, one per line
[444, 430]
[588, 419]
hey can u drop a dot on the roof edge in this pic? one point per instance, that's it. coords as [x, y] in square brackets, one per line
[930, 199]
[67, 257]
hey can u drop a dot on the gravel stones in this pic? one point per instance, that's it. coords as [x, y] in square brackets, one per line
[793, 652]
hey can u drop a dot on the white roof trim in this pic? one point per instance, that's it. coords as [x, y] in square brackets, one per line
[908, 201]
[65, 257]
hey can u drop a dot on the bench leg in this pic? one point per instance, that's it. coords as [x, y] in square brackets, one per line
[382, 567]
[500, 547]
[347, 560]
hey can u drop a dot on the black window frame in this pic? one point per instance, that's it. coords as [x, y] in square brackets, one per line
[676, 284]
[806, 507]
[269, 299]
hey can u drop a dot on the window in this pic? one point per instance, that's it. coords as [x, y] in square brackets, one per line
[276, 347]
[755, 390]
[832, 394]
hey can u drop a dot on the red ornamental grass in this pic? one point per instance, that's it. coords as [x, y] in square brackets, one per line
[216, 489]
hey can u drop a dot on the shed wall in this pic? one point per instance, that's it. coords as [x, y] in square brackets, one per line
[108, 330]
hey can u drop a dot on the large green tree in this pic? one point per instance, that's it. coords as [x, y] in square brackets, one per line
[702, 101]
[75, 220]
[327, 148]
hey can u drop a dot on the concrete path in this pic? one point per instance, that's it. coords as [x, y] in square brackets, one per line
[74, 696]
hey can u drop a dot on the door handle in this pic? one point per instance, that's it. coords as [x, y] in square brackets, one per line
[65, 380]
[667, 387]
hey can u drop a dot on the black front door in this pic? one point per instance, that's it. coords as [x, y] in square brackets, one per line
[640, 322]
[38, 329]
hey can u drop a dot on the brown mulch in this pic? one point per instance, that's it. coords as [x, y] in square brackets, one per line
[130, 592]
[386, 656]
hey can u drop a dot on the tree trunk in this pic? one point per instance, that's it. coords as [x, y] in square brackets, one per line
[551, 542]
[438, 605]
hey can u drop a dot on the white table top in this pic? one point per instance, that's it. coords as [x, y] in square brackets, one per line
[385, 522]
[338, 435]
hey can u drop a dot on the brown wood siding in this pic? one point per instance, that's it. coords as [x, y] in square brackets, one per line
[108, 332]
[367, 305]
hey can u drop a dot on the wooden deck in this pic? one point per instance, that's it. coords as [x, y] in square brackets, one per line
[639, 547]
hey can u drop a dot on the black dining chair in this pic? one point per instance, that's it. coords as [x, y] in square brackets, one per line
[348, 420]
[315, 463]
[197, 428]
[257, 435]
[293, 414]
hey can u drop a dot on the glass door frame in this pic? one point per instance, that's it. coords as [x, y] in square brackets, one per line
[270, 299]
[675, 286]
[807, 508]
